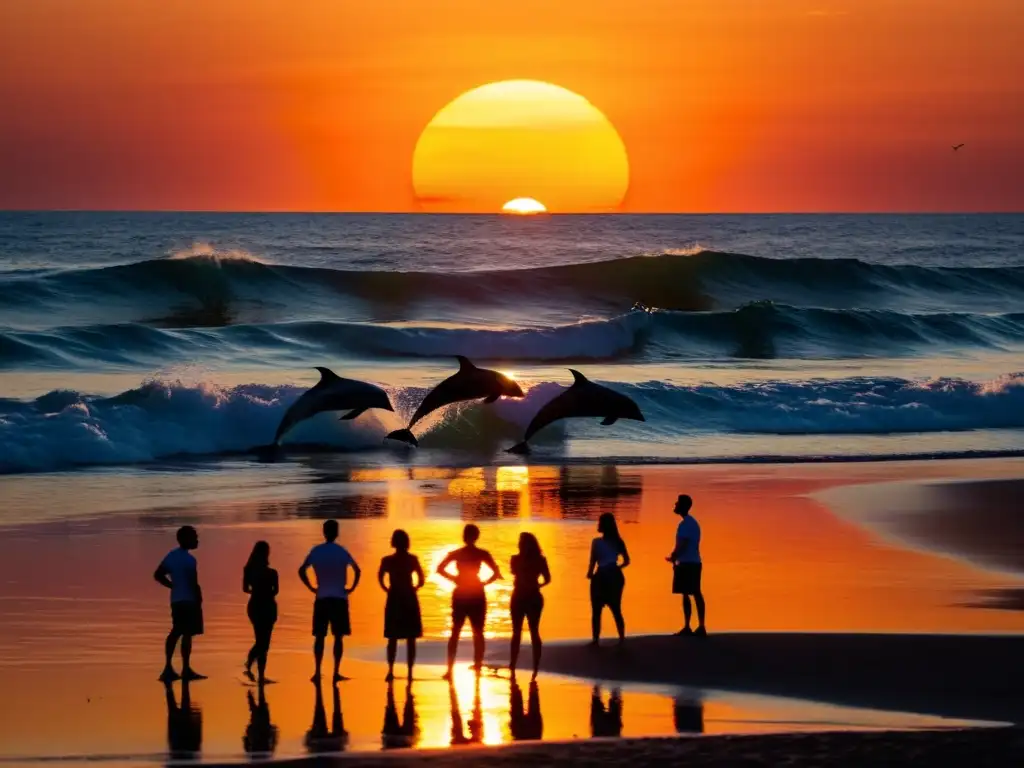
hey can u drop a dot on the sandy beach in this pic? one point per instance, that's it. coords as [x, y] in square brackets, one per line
[822, 618]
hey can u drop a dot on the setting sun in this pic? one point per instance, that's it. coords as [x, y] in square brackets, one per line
[524, 206]
[488, 145]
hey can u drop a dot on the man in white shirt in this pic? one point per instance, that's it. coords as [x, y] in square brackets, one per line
[687, 567]
[330, 562]
[178, 572]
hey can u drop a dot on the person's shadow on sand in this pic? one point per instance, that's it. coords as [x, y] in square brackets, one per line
[400, 733]
[525, 725]
[319, 739]
[184, 725]
[687, 714]
[260, 739]
[476, 719]
[605, 722]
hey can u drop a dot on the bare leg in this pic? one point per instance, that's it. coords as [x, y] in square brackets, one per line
[687, 612]
[699, 599]
[318, 657]
[169, 645]
[339, 649]
[538, 646]
[453, 644]
[410, 654]
[478, 647]
[392, 651]
[517, 639]
[187, 673]
[263, 651]
[595, 621]
[620, 622]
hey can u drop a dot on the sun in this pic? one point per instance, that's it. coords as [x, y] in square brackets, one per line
[524, 206]
[482, 150]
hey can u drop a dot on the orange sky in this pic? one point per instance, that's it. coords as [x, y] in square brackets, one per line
[723, 105]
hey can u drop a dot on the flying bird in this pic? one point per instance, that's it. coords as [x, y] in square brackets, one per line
[956, 147]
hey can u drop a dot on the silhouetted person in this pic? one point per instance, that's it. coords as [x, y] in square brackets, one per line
[398, 733]
[525, 725]
[179, 573]
[469, 601]
[608, 556]
[184, 724]
[476, 717]
[688, 715]
[330, 562]
[605, 722]
[686, 566]
[530, 572]
[402, 620]
[260, 738]
[319, 738]
[260, 582]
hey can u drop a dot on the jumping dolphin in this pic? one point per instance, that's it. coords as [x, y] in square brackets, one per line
[583, 399]
[470, 383]
[333, 393]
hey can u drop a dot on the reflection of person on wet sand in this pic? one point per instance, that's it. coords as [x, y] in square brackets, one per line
[397, 733]
[260, 738]
[688, 714]
[184, 724]
[469, 601]
[530, 571]
[605, 721]
[402, 620]
[528, 725]
[476, 718]
[319, 739]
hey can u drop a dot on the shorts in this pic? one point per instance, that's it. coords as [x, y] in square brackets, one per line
[402, 620]
[331, 612]
[187, 617]
[529, 606]
[606, 587]
[473, 608]
[686, 578]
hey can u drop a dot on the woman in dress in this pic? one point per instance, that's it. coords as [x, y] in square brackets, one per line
[259, 581]
[608, 556]
[530, 571]
[402, 619]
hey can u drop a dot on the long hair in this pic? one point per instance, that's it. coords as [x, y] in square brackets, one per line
[258, 558]
[400, 540]
[529, 547]
[608, 528]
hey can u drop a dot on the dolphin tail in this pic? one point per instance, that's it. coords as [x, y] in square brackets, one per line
[403, 435]
[523, 448]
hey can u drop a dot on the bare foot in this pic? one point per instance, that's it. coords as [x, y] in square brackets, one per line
[390, 677]
[169, 675]
[533, 679]
[340, 678]
[266, 681]
[315, 678]
[191, 674]
[447, 676]
[249, 675]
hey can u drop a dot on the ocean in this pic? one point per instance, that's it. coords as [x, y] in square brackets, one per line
[134, 338]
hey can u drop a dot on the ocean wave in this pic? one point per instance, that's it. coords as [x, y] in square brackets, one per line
[757, 330]
[163, 419]
[219, 282]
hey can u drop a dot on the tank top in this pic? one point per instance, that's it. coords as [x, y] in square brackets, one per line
[605, 552]
[527, 574]
[261, 584]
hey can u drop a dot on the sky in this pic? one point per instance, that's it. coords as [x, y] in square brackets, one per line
[722, 105]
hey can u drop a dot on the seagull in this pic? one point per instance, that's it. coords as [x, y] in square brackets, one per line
[956, 147]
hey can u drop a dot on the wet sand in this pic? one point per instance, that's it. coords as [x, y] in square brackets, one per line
[783, 560]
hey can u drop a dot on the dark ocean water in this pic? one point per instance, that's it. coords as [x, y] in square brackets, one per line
[137, 337]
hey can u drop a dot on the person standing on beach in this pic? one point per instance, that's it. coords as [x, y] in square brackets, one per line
[687, 567]
[402, 619]
[606, 578]
[469, 601]
[260, 582]
[330, 562]
[530, 571]
[179, 573]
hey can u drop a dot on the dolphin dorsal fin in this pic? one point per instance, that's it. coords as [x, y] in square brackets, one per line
[578, 378]
[327, 376]
[465, 364]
